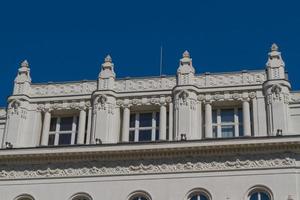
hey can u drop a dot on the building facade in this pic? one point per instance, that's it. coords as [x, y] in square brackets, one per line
[186, 137]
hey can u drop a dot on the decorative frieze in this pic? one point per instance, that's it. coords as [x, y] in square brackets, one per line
[148, 84]
[228, 96]
[232, 79]
[154, 100]
[2, 113]
[295, 97]
[63, 105]
[110, 168]
[62, 89]
[131, 85]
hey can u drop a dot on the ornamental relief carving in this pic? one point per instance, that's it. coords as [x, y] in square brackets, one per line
[63, 105]
[14, 107]
[2, 113]
[221, 80]
[295, 98]
[165, 83]
[110, 168]
[222, 96]
[276, 94]
[101, 103]
[63, 89]
[154, 100]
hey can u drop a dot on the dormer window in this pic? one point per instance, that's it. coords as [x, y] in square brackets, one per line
[63, 130]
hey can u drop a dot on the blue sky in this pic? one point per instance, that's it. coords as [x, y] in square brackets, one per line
[67, 40]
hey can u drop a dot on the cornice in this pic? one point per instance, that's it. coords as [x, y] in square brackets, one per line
[151, 158]
[152, 150]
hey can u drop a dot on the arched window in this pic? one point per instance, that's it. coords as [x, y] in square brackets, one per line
[139, 198]
[199, 194]
[140, 195]
[81, 196]
[259, 196]
[24, 197]
[260, 193]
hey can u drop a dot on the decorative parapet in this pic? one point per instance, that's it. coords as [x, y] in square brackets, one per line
[62, 89]
[230, 79]
[295, 97]
[149, 84]
[2, 113]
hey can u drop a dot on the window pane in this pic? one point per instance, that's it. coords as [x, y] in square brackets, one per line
[131, 136]
[264, 196]
[145, 135]
[66, 123]
[51, 139]
[139, 198]
[214, 116]
[132, 121]
[157, 134]
[195, 197]
[53, 124]
[227, 130]
[254, 196]
[215, 131]
[157, 119]
[227, 115]
[241, 130]
[240, 114]
[64, 138]
[202, 197]
[145, 119]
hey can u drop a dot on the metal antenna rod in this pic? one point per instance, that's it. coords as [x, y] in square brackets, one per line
[161, 61]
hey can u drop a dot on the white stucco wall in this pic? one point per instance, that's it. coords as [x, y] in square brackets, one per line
[2, 128]
[221, 185]
[295, 118]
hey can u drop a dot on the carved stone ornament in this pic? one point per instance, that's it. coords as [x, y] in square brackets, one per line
[100, 103]
[102, 99]
[13, 107]
[276, 89]
[183, 96]
[236, 96]
[63, 105]
[110, 168]
[154, 100]
[230, 79]
[252, 95]
[201, 97]
[2, 113]
[295, 98]
[218, 97]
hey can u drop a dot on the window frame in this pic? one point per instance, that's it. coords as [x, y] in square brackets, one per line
[81, 195]
[57, 132]
[198, 191]
[237, 122]
[137, 128]
[139, 194]
[24, 196]
[259, 189]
